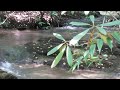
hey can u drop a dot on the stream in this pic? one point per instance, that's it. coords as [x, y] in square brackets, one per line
[16, 60]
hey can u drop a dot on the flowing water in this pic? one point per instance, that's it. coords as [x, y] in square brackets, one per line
[11, 57]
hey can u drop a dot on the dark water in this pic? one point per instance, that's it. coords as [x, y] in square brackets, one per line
[10, 54]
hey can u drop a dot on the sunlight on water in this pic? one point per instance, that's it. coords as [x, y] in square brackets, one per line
[8, 67]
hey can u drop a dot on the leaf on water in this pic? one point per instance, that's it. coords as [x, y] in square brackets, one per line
[76, 38]
[58, 57]
[92, 18]
[54, 49]
[69, 56]
[99, 44]
[58, 36]
[78, 23]
[117, 22]
[102, 30]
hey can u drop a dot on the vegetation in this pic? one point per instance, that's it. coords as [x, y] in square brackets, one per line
[98, 36]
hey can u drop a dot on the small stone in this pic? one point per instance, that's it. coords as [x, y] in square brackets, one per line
[103, 67]
[64, 63]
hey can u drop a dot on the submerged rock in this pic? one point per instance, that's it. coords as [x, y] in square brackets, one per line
[5, 75]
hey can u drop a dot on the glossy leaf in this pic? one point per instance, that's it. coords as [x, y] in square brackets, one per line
[78, 23]
[58, 36]
[92, 49]
[102, 30]
[69, 56]
[92, 18]
[116, 35]
[117, 22]
[76, 38]
[99, 44]
[110, 43]
[58, 57]
[54, 49]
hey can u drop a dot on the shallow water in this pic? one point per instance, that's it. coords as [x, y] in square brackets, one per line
[9, 39]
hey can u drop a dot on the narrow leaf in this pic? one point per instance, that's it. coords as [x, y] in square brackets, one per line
[3, 22]
[58, 57]
[92, 18]
[74, 67]
[58, 36]
[86, 54]
[117, 22]
[92, 49]
[54, 49]
[110, 43]
[116, 35]
[76, 38]
[78, 23]
[69, 56]
[101, 30]
[99, 44]
[79, 61]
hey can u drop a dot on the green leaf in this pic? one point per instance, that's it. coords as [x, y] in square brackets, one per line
[79, 23]
[54, 49]
[79, 61]
[69, 56]
[58, 57]
[86, 54]
[117, 22]
[74, 67]
[116, 35]
[110, 43]
[92, 18]
[58, 36]
[101, 30]
[99, 44]
[76, 38]
[92, 49]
